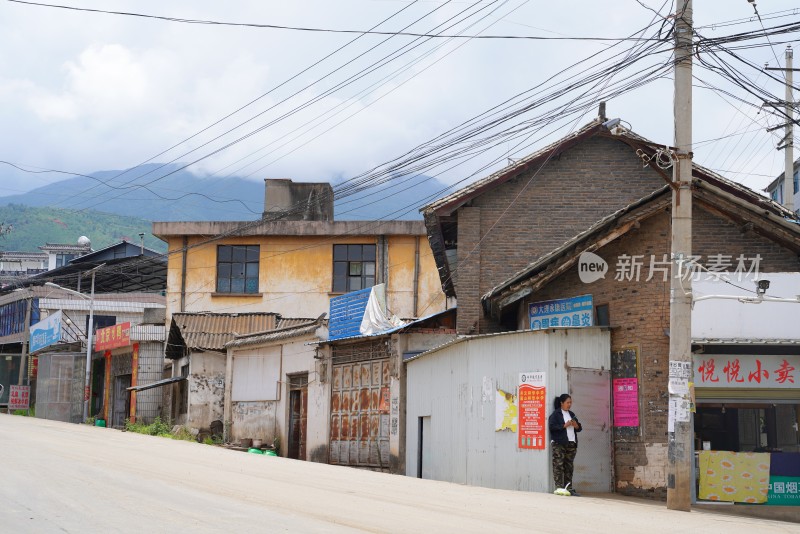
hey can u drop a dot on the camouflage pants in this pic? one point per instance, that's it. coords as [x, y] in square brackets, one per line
[563, 463]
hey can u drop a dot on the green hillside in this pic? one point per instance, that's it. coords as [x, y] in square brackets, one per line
[32, 227]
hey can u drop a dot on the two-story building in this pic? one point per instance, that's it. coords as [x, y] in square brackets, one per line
[280, 272]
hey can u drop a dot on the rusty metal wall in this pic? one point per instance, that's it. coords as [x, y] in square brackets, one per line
[359, 430]
[455, 387]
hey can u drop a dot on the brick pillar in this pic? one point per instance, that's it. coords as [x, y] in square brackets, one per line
[467, 276]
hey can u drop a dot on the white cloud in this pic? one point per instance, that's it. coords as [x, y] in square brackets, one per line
[85, 92]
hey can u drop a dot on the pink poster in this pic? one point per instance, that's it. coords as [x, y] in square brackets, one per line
[626, 402]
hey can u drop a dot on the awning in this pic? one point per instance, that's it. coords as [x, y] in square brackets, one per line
[158, 383]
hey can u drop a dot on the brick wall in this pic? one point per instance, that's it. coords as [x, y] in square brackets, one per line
[525, 218]
[639, 316]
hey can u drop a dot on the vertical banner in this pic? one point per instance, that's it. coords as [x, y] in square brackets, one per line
[532, 410]
[134, 379]
[626, 402]
[107, 387]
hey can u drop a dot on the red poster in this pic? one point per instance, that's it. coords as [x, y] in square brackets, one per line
[112, 337]
[19, 398]
[626, 402]
[532, 409]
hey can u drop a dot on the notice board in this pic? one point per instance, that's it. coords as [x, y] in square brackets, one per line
[625, 386]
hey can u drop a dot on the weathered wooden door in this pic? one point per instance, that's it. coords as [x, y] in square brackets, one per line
[298, 416]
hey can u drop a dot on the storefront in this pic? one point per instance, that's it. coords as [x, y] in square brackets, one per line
[128, 356]
[747, 393]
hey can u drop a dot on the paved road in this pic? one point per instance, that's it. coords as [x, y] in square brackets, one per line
[58, 477]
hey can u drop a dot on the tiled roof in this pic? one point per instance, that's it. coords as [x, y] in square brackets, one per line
[66, 247]
[211, 331]
[287, 328]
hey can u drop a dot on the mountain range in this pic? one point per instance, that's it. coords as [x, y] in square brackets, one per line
[109, 206]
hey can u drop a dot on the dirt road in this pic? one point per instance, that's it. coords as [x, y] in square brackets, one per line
[59, 477]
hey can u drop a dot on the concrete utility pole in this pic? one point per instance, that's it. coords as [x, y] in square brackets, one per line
[788, 142]
[680, 429]
[788, 174]
[23, 360]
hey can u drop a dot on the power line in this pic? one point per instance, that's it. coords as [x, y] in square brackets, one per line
[265, 94]
[368, 70]
[318, 30]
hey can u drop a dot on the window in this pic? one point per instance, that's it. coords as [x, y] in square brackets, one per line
[237, 268]
[100, 321]
[256, 375]
[796, 182]
[353, 267]
[64, 259]
[603, 318]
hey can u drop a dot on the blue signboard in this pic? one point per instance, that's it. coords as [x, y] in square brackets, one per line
[347, 312]
[45, 332]
[572, 312]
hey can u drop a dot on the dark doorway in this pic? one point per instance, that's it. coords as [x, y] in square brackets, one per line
[122, 400]
[298, 415]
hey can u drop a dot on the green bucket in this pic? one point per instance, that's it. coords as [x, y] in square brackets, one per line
[270, 452]
[100, 422]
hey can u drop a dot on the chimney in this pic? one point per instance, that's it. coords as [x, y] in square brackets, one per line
[601, 113]
[297, 201]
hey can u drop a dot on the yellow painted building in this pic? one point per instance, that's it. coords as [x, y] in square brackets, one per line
[295, 266]
[259, 375]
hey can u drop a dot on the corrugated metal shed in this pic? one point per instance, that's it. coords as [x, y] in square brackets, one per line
[211, 331]
[451, 394]
[287, 328]
[148, 332]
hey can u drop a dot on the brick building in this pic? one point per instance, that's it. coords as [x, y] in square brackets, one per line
[515, 238]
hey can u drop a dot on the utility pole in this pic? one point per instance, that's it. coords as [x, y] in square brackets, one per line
[788, 142]
[23, 360]
[87, 386]
[788, 173]
[680, 429]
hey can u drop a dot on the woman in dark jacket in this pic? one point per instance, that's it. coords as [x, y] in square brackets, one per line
[564, 428]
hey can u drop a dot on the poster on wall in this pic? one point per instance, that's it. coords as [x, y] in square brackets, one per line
[505, 416]
[532, 410]
[626, 402]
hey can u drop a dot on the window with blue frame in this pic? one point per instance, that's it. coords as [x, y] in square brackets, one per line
[237, 268]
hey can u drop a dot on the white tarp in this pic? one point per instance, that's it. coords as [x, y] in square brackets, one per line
[375, 318]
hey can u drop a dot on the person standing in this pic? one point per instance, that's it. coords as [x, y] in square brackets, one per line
[564, 428]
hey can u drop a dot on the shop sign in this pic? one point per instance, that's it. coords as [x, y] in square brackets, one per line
[626, 402]
[784, 479]
[746, 371]
[113, 337]
[572, 312]
[45, 332]
[531, 409]
[19, 398]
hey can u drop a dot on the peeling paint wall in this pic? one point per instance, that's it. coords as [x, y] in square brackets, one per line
[268, 420]
[299, 265]
[206, 388]
[650, 475]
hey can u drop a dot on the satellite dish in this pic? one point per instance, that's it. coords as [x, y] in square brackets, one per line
[84, 241]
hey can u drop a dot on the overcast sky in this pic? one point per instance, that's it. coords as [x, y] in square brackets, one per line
[84, 92]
